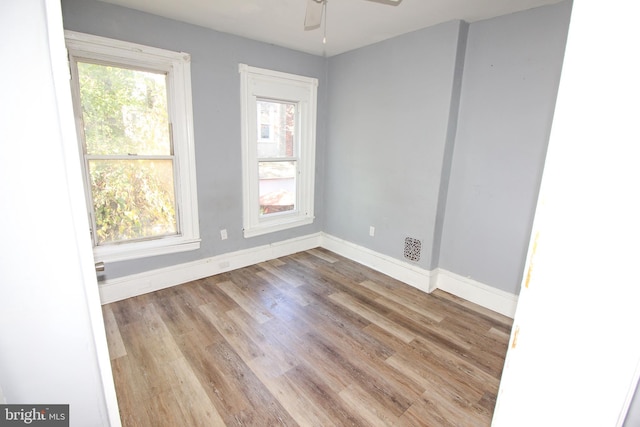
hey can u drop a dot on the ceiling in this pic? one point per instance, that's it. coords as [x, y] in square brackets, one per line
[350, 23]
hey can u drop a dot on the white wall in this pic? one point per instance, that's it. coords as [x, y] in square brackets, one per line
[576, 358]
[52, 344]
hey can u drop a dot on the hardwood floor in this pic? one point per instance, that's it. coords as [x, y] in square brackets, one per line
[311, 339]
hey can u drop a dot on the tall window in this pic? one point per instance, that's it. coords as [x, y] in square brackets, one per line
[278, 149]
[133, 115]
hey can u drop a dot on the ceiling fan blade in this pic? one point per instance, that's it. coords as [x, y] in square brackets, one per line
[313, 18]
[389, 2]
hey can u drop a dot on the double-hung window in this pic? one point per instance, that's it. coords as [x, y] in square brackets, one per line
[278, 149]
[134, 121]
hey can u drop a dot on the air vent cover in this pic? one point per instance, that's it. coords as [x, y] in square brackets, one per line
[412, 248]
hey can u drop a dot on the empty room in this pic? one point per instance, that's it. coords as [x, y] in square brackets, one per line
[315, 213]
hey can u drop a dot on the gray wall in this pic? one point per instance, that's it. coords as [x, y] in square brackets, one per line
[389, 110]
[439, 135]
[509, 86]
[402, 156]
[216, 108]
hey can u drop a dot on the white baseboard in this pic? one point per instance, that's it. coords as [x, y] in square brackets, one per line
[150, 281]
[484, 295]
[408, 273]
[424, 280]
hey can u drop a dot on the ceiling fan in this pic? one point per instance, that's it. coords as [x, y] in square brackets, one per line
[315, 9]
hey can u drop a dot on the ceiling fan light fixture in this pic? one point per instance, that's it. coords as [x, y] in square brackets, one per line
[313, 16]
[317, 8]
[389, 2]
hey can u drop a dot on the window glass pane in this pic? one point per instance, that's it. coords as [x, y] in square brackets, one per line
[276, 129]
[132, 199]
[124, 111]
[277, 184]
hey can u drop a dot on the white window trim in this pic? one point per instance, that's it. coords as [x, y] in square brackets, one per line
[178, 67]
[258, 83]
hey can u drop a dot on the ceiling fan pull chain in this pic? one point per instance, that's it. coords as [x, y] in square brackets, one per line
[324, 38]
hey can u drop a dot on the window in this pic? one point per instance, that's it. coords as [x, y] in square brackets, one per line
[278, 149]
[133, 117]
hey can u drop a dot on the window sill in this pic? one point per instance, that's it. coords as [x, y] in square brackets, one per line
[277, 226]
[127, 251]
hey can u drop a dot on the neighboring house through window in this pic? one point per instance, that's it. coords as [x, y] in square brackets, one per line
[134, 121]
[278, 149]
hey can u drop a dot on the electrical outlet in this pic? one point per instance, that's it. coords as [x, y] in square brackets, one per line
[223, 234]
[372, 231]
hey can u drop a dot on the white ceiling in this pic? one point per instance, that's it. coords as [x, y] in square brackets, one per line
[351, 23]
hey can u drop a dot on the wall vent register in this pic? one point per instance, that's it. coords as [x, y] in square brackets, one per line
[412, 248]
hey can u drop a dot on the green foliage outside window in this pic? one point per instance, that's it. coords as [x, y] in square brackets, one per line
[128, 151]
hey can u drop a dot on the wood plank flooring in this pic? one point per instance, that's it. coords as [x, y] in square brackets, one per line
[311, 339]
